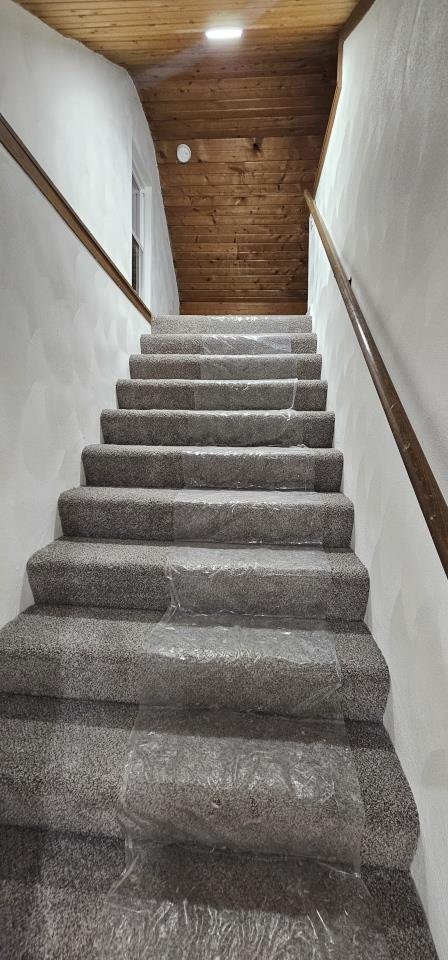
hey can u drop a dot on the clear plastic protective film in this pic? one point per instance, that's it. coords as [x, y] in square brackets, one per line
[253, 367]
[174, 903]
[225, 393]
[246, 344]
[258, 373]
[262, 357]
[250, 460]
[255, 580]
[252, 664]
[247, 782]
[216, 802]
[241, 804]
[247, 468]
[250, 517]
[240, 741]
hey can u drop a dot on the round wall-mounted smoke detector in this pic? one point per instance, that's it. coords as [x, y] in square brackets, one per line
[183, 153]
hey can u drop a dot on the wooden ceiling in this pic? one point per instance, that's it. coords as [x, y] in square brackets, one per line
[253, 112]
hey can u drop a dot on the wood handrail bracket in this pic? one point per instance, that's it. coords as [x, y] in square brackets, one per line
[17, 149]
[427, 490]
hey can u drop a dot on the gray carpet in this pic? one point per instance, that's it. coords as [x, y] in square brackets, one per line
[258, 750]
[54, 902]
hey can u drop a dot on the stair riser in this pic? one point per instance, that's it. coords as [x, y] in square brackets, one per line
[270, 687]
[230, 344]
[134, 467]
[236, 395]
[247, 590]
[238, 523]
[171, 428]
[225, 368]
[266, 323]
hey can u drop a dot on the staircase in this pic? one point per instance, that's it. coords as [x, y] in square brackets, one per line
[216, 488]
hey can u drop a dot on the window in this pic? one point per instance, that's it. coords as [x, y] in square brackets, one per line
[138, 228]
[141, 227]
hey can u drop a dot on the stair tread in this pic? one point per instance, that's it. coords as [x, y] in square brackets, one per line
[203, 496]
[232, 384]
[89, 653]
[224, 467]
[253, 416]
[79, 785]
[204, 394]
[252, 516]
[170, 383]
[237, 317]
[230, 323]
[255, 428]
[287, 557]
[229, 449]
[229, 344]
[304, 581]
[226, 415]
[286, 358]
[216, 317]
[306, 366]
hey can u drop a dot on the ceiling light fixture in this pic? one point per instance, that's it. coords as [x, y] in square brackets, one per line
[183, 153]
[224, 33]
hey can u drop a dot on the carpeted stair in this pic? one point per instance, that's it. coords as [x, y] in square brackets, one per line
[260, 766]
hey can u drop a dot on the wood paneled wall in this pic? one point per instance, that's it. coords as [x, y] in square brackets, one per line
[236, 213]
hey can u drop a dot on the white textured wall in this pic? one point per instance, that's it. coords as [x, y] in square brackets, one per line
[66, 335]
[79, 115]
[384, 196]
[66, 330]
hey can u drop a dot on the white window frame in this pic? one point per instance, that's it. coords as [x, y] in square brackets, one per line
[138, 233]
[142, 234]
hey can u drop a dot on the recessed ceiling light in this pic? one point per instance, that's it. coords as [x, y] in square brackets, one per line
[224, 33]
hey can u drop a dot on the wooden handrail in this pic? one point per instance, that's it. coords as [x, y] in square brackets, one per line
[427, 490]
[20, 153]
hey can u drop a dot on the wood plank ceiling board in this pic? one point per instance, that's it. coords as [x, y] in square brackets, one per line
[252, 111]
